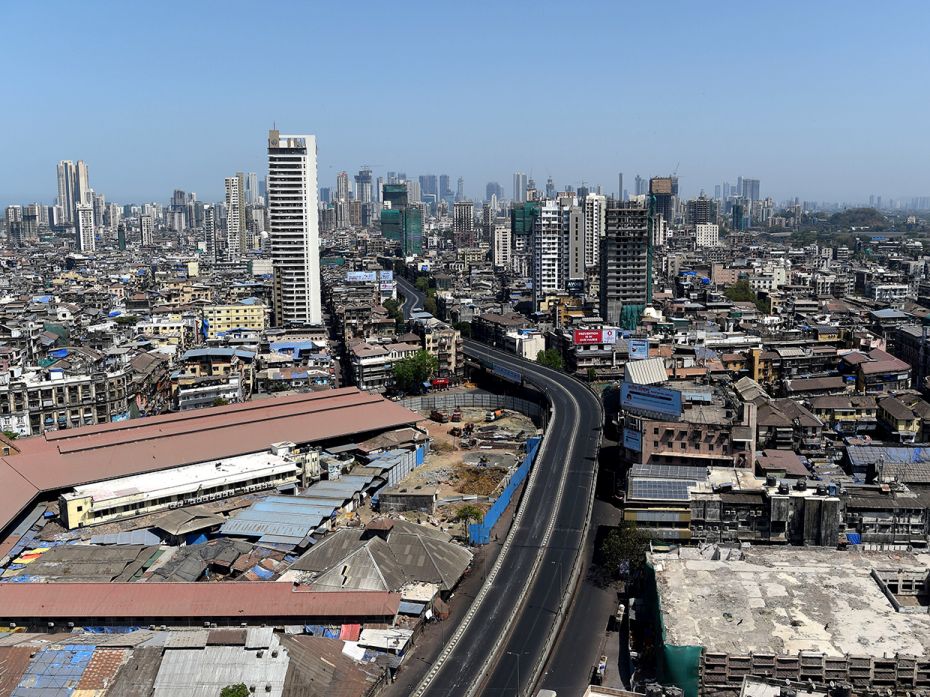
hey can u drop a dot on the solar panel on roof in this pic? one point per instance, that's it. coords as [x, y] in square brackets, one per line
[669, 472]
[661, 490]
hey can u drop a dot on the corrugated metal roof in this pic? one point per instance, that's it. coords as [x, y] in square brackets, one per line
[650, 371]
[130, 537]
[63, 459]
[182, 600]
[206, 672]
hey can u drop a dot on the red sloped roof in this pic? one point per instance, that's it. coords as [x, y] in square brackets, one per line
[64, 459]
[182, 600]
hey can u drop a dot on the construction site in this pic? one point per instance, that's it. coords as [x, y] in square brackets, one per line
[473, 451]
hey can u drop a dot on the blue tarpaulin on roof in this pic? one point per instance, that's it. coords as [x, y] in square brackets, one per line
[410, 608]
[262, 572]
[854, 538]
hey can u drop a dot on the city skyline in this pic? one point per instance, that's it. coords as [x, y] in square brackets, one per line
[790, 110]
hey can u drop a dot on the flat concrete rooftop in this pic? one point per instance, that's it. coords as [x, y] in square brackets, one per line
[786, 600]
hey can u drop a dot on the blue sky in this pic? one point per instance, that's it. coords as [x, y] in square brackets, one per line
[824, 100]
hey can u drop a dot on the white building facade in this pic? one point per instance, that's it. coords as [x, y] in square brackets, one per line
[294, 228]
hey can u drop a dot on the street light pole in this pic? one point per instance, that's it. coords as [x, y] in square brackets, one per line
[561, 580]
[511, 653]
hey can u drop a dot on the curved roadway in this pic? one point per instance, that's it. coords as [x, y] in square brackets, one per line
[504, 640]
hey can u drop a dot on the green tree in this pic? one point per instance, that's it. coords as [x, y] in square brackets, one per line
[625, 546]
[430, 304]
[239, 690]
[592, 375]
[550, 358]
[422, 284]
[395, 313]
[11, 435]
[410, 373]
[741, 291]
[467, 513]
[464, 328]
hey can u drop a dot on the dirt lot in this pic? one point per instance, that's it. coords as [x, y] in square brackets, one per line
[472, 472]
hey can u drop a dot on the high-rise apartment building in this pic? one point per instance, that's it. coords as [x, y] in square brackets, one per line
[84, 227]
[429, 185]
[550, 256]
[594, 206]
[146, 230]
[363, 186]
[463, 224]
[413, 192]
[664, 190]
[749, 189]
[32, 218]
[342, 186]
[294, 228]
[445, 189]
[701, 210]
[252, 195]
[575, 241]
[639, 186]
[502, 246]
[363, 194]
[82, 192]
[493, 189]
[706, 235]
[625, 263]
[460, 189]
[66, 189]
[236, 230]
[209, 232]
[620, 196]
[14, 225]
[519, 187]
[402, 220]
[74, 188]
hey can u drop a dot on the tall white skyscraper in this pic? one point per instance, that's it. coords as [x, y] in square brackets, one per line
[519, 187]
[209, 231]
[294, 228]
[594, 207]
[146, 230]
[84, 227]
[235, 215]
[251, 189]
[66, 189]
[83, 194]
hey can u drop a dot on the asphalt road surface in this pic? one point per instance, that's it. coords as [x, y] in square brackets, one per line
[507, 635]
[413, 298]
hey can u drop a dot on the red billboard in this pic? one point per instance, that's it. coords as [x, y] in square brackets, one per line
[586, 337]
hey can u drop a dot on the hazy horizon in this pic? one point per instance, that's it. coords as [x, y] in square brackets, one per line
[816, 101]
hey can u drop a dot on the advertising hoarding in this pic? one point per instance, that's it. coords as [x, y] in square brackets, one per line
[639, 349]
[632, 440]
[589, 337]
[361, 276]
[387, 276]
[650, 399]
[507, 374]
